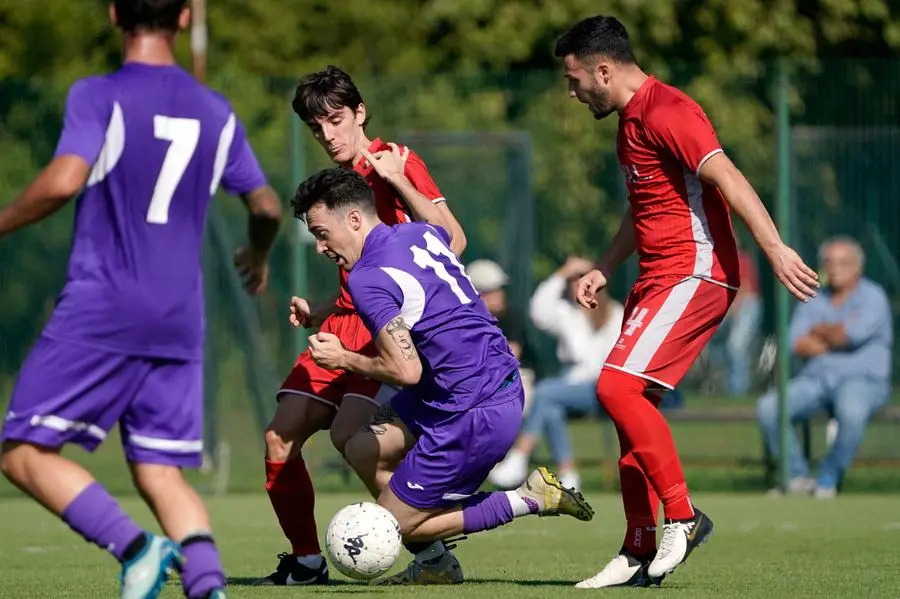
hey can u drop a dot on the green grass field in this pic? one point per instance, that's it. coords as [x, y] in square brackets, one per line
[762, 547]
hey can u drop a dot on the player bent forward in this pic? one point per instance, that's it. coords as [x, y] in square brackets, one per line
[461, 404]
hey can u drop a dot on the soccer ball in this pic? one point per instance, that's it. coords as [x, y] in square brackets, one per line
[363, 540]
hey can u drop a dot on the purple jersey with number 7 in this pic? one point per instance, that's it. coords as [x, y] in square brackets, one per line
[409, 270]
[160, 144]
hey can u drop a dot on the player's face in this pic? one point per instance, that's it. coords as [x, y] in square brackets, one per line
[337, 233]
[589, 84]
[842, 266]
[341, 133]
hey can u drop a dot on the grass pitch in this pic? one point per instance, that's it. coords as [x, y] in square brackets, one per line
[762, 547]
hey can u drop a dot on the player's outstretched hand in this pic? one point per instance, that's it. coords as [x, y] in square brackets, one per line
[789, 268]
[300, 313]
[588, 286]
[327, 351]
[388, 163]
[253, 269]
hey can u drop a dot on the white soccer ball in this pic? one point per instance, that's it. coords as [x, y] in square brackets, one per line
[363, 540]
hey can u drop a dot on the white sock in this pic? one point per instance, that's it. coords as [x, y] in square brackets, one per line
[313, 560]
[517, 503]
[434, 550]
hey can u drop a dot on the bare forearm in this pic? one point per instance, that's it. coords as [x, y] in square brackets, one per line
[374, 367]
[264, 219]
[29, 208]
[745, 203]
[621, 248]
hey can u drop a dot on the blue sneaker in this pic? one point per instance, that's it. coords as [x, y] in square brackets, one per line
[144, 576]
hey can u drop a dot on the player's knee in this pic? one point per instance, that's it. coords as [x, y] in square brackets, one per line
[14, 459]
[340, 436]
[278, 449]
[361, 451]
[9, 462]
[613, 386]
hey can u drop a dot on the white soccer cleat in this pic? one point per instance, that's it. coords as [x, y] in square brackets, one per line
[625, 570]
[511, 472]
[679, 539]
[145, 575]
[570, 480]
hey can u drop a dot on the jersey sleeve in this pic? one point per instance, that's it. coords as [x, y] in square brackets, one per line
[682, 129]
[242, 172]
[87, 115]
[418, 175]
[377, 298]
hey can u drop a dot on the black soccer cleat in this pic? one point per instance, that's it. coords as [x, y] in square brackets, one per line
[290, 572]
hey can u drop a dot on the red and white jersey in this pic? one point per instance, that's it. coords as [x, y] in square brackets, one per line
[391, 208]
[682, 225]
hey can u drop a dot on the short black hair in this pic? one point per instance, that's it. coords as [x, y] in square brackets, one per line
[600, 36]
[337, 188]
[150, 15]
[324, 91]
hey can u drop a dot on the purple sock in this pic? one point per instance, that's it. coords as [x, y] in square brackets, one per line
[485, 511]
[202, 569]
[96, 516]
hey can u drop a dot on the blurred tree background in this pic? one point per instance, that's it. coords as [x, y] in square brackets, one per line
[449, 65]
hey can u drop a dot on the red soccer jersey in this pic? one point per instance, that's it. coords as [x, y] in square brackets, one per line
[391, 208]
[682, 225]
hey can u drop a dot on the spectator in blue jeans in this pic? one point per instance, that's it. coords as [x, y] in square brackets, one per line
[584, 339]
[844, 335]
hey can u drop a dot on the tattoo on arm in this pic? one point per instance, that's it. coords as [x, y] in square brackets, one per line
[399, 332]
[380, 419]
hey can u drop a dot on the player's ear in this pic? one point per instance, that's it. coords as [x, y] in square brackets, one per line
[360, 114]
[354, 218]
[184, 19]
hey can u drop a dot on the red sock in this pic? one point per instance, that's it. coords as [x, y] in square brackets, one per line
[641, 507]
[642, 426]
[293, 499]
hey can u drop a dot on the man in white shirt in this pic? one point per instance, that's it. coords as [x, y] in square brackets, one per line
[584, 338]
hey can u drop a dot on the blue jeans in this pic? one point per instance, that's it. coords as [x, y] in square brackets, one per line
[554, 397]
[852, 401]
[740, 329]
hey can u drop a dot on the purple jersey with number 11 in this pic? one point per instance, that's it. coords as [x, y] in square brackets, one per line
[408, 270]
[160, 144]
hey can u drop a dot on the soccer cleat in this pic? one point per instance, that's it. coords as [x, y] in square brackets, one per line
[445, 570]
[553, 498]
[216, 594]
[625, 570]
[290, 572]
[678, 540]
[144, 575]
[511, 472]
[570, 480]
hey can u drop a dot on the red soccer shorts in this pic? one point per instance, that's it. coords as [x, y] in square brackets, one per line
[331, 386]
[668, 323]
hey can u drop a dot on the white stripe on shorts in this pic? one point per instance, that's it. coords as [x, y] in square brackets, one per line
[172, 445]
[660, 325]
[62, 425]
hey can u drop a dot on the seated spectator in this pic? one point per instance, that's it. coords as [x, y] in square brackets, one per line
[490, 281]
[584, 339]
[844, 335]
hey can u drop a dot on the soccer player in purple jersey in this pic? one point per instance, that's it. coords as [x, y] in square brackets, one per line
[461, 404]
[149, 146]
